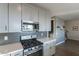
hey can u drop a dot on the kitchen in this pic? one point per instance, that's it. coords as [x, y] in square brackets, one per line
[25, 30]
[39, 29]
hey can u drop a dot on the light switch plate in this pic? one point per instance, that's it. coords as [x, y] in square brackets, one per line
[5, 37]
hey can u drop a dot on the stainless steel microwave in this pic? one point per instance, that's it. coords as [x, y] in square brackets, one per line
[29, 26]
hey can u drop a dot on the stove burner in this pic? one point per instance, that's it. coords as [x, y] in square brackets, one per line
[30, 43]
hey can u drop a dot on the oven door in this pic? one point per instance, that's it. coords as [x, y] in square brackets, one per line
[38, 53]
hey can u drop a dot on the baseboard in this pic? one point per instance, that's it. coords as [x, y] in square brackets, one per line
[74, 39]
[60, 43]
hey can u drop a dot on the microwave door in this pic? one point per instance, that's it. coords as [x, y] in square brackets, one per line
[30, 28]
[27, 27]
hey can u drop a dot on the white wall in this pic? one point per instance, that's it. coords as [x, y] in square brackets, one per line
[72, 34]
[59, 32]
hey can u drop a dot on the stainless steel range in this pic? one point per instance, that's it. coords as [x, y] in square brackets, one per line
[31, 46]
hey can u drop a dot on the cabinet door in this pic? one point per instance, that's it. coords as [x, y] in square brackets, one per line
[34, 14]
[52, 48]
[3, 17]
[48, 21]
[42, 21]
[14, 17]
[17, 53]
[26, 12]
[8, 54]
[46, 50]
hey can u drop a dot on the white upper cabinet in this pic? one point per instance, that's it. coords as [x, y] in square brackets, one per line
[42, 21]
[12, 14]
[29, 12]
[48, 21]
[3, 17]
[46, 49]
[14, 17]
[34, 14]
[26, 12]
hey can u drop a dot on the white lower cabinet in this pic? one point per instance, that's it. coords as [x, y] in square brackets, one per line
[52, 48]
[8, 54]
[46, 50]
[17, 53]
[49, 48]
[14, 53]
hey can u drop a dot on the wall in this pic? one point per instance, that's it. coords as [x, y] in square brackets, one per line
[15, 37]
[72, 34]
[58, 32]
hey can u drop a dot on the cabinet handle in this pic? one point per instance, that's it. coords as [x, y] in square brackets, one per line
[5, 28]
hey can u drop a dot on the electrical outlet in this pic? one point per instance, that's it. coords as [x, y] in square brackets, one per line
[41, 34]
[5, 37]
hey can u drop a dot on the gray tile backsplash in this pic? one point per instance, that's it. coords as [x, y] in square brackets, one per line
[15, 37]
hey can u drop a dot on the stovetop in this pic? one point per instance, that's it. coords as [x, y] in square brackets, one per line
[30, 43]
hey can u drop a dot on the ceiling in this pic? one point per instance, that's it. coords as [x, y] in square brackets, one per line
[66, 11]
